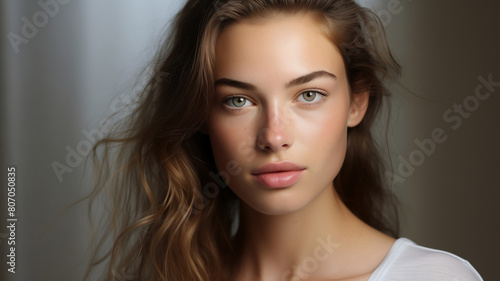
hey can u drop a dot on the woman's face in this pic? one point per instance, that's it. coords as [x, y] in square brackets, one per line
[278, 122]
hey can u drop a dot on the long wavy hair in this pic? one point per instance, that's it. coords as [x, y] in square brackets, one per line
[170, 213]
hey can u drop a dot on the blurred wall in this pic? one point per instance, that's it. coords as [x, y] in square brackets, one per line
[445, 136]
[73, 63]
[69, 65]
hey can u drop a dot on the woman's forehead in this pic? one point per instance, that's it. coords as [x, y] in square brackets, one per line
[282, 44]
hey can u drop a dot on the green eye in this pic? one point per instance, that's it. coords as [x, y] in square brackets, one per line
[309, 95]
[237, 102]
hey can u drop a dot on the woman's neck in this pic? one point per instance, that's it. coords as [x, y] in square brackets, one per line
[306, 242]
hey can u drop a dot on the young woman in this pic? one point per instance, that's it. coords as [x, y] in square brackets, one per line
[249, 155]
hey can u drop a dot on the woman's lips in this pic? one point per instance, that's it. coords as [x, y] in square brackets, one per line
[279, 179]
[278, 175]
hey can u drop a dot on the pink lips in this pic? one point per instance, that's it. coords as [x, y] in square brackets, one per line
[278, 175]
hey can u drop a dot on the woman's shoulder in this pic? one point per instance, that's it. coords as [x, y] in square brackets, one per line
[409, 261]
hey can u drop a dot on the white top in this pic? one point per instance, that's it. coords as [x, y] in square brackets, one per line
[410, 262]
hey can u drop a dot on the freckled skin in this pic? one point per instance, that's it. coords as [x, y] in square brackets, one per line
[280, 226]
[269, 54]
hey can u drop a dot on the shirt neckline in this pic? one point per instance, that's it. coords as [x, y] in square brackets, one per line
[399, 245]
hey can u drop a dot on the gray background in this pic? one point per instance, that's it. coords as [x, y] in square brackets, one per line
[80, 66]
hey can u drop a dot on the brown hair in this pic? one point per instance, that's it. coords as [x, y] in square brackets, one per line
[170, 213]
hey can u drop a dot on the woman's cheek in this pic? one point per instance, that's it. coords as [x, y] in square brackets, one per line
[230, 139]
[322, 126]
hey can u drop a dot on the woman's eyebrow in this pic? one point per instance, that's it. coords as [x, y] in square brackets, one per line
[309, 77]
[295, 82]
[235, 84]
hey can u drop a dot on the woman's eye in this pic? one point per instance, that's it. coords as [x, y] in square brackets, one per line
[237, 102]
[310, 96]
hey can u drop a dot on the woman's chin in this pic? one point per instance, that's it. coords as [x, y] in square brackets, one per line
[277, 203]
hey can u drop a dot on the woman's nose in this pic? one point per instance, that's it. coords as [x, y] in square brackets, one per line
[276, 134]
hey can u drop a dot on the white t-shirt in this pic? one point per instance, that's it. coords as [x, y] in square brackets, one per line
[410, 262]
